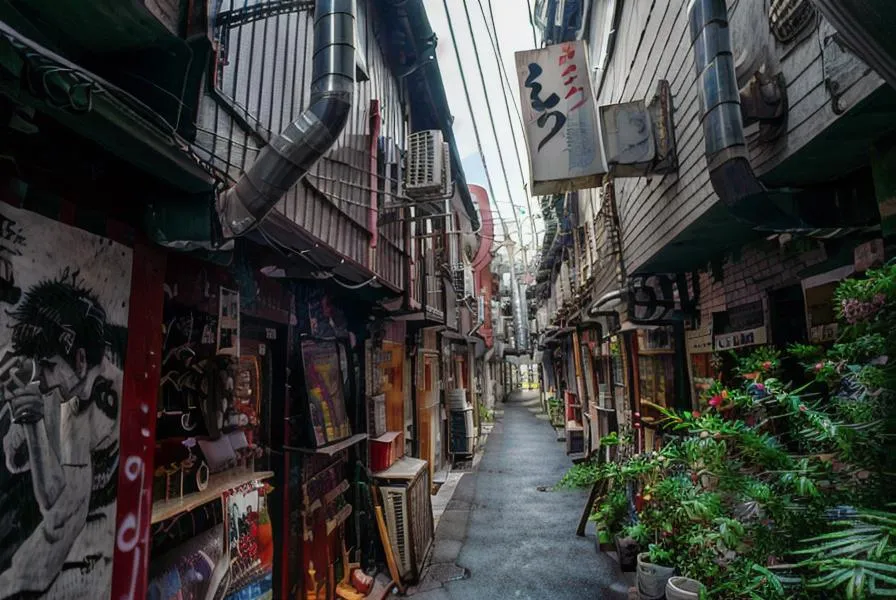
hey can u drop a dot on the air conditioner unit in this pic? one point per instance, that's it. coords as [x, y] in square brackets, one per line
[407, 509]
[428, 170]
[463, 281]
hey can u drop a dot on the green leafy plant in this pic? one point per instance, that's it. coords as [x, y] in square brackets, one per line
[581, 475]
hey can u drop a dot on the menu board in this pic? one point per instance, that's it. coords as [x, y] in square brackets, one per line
[326, 398]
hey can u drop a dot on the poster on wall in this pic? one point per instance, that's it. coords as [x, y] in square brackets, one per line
[229, 322]
[326, 398]
[63, 336]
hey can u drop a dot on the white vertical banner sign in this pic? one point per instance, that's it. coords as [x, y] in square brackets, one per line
[559, 111]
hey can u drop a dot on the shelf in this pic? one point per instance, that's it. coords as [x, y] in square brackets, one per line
[332, 448]
[336, 492]
[217, 485]
[574, 427]
[339, 519]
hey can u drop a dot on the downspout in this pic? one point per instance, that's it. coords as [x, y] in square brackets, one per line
[376, 122]
[289, 156]
[730, 171]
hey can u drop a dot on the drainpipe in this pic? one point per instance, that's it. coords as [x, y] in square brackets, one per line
[730, 171]
[289, 156]
[376, 122]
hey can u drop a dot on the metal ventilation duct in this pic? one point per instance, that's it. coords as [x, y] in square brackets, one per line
[289, 156]
[730, 171]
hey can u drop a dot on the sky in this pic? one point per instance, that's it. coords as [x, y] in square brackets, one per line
[514, 33]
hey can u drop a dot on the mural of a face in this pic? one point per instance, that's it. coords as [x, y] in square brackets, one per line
[61, 350]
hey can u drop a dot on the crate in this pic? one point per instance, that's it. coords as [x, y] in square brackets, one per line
[385, 450]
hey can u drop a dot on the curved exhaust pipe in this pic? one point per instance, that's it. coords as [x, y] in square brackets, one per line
[730, 171]
[289, 156]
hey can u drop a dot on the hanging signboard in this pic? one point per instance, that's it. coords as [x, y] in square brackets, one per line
[558, 107]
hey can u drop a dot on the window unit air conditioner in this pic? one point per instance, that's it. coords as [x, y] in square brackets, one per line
[428, 169]
[407, 509]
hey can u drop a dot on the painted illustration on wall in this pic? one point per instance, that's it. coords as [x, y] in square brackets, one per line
[62, 343]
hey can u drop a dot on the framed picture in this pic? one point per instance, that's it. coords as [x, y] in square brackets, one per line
[325, 392]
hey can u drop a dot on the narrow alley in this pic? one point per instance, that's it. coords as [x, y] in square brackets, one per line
[447, 299]
[505, 524]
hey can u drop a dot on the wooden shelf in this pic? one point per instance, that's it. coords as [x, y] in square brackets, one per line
[336, 492]
[332, 448]
[217, 485]
[339, 519]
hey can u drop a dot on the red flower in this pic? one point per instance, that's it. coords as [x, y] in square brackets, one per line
[767, 365]
[803, 408]
[715, 401]
[819, 366]
[696, 414]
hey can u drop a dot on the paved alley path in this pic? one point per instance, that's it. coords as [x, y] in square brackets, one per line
[518, 542]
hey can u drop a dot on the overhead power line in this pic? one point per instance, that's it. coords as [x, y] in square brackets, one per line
[491, 118]
[502, 71]
[463, 79]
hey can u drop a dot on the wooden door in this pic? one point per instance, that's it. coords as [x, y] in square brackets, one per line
[393, 385]
[428, 413]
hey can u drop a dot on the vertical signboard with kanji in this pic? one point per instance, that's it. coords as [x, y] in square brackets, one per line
[562, 131]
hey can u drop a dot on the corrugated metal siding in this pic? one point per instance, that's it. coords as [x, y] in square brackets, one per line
[267, 80]
[654, 44]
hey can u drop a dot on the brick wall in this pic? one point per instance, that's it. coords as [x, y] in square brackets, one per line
[759, 269]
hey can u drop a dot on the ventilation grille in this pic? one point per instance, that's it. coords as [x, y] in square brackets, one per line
[408, 512]
[428, 172]
[789, 18]
[395, 505]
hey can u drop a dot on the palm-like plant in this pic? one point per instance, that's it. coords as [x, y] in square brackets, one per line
[859, 558]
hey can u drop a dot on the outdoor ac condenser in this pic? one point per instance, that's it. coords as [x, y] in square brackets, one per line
[407, 508]
[428, 169]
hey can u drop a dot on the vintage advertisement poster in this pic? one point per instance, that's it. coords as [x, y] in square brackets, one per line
[326, 400]
[63, 336]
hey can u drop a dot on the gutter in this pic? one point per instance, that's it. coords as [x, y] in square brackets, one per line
[730, 171]
[289, 156]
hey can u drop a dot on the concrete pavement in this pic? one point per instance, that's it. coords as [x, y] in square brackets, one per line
[500, 537]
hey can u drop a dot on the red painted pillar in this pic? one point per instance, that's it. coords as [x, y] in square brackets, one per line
[138, 424]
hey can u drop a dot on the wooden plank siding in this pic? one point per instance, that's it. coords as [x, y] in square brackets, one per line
[267, 80]
[654, 43]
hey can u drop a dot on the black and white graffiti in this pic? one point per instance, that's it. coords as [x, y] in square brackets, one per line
[62, 343]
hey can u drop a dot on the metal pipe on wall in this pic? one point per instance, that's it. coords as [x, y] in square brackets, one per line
[289, 156]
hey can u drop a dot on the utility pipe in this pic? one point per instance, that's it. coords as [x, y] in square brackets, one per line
[289, 156]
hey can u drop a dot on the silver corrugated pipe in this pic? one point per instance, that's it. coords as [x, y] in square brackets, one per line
[524, 317]
[289, 156]
[726, 147]
[818, 211]
[520, 326]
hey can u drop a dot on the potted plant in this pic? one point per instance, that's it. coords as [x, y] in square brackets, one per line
[655, 568]
[683, 588]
